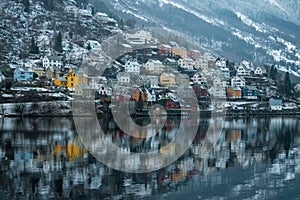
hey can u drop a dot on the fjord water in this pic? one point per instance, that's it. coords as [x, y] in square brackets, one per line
[257, 158]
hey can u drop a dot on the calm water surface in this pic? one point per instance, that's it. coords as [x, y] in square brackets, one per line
[254, 158]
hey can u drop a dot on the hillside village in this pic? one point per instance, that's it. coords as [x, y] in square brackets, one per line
[156, 74]
[49, 69]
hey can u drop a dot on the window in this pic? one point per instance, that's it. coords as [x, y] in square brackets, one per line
[72, 79]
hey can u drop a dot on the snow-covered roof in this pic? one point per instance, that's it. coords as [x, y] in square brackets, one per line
[62, 79]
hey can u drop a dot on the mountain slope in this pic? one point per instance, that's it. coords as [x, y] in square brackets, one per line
[262, 31]
[42, 20]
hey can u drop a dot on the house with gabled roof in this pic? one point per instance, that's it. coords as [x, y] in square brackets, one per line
[53, 62]
[154, 66]
[123, 78]
[260, 70]
[250, 92]
[242, 70]
[238, 81]
[167, 79]
[275, 104]
[23, 74]
[132, 67]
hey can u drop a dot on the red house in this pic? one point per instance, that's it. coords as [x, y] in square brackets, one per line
[200, 91]
[164, 49]
[195, 54]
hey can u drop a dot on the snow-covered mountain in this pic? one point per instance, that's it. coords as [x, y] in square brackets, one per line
[264, 31]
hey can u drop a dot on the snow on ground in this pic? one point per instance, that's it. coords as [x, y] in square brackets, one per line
[285, 69]
[38, 89]
[212, 21]
[136, 15]
[290, 47]
[258, 27]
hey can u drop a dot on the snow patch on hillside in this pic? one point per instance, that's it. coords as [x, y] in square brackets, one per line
[212, 21]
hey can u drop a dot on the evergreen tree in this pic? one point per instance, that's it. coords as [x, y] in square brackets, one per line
[89, 47]
[287, 84]
[26, 4]
[58, 43]
[34, 49]
[274, 73]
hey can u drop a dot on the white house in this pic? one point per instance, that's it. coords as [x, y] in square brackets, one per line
[225, 72]
[105, 90]
[275, 104]
[132, 67]
[154, 66]
[97, 82]
[217, 81]
[52, 62]
[198, 78]
[221, 63]
[238, 81]
[201, 63]
[242, 70]
[217, 91]
[93, 44]
[153, 80]
[246, 63]
[260, 70]
[123, 78]
[185, 62]
[71, 9]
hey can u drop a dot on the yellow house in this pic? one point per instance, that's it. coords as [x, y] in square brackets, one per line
[60, 81]
[176, 51]
[72, 79]
[167, 79]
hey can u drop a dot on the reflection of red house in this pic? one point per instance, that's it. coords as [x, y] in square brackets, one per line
[171, 104]
[233, 135]
[122, 97]
[164, 49]
[163, 178]
[193, 173]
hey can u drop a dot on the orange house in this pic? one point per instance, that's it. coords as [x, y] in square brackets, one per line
[235, 93]
[60, 81]
[179, 51]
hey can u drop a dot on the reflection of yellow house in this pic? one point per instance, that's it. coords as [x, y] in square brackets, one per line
[179, 51]
[178, 176]
[167, 79]
[72, 150]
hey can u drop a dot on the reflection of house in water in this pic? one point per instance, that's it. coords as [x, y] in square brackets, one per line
[51, 161]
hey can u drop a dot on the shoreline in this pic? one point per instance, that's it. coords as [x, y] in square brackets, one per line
[202, 114]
